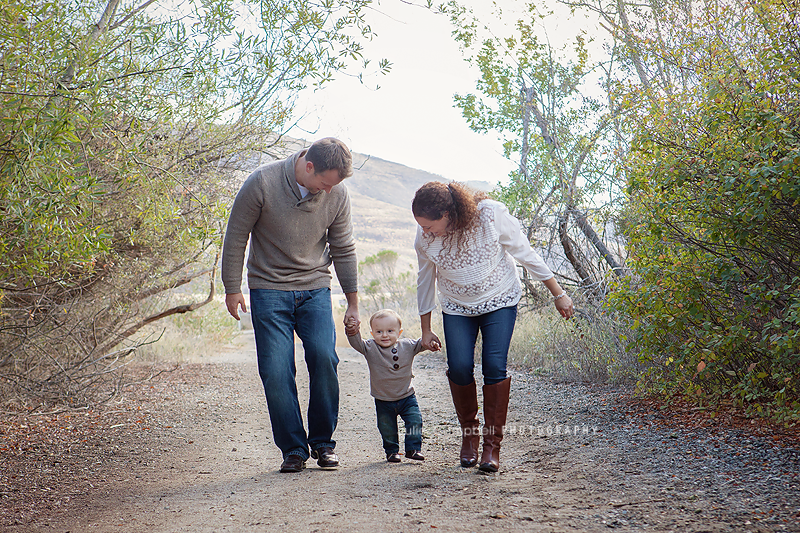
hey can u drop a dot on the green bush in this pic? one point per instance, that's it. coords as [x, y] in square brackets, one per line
[714, 230]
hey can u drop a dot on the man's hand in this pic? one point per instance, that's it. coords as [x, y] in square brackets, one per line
[351, 326]
[233, 302]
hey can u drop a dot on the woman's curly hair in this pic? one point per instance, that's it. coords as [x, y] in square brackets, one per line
[456, 200]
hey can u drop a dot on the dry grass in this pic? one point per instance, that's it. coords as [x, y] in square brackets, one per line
[585, 348]
[191, 336]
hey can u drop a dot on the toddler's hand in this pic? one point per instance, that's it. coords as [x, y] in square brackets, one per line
[350, 327]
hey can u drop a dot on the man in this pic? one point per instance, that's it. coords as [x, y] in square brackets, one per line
[296, 213]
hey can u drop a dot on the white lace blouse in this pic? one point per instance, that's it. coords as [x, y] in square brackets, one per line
[482, 276]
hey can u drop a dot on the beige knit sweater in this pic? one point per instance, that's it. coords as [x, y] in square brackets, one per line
[294, 240]
[389, 368]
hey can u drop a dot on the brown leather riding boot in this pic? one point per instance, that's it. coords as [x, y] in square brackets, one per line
[495, 409]
[465, 399]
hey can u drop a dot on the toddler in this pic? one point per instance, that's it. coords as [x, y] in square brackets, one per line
[389, 359]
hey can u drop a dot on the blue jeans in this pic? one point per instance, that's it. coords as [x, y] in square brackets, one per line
[277, 315]
[408, 409]
[460, 336]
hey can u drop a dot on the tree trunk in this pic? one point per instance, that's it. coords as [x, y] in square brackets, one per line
[569, 252]
[594, 238]
[527, 99]
[99, 28]
[636, 58]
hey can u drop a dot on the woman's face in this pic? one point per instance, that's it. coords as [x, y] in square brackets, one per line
[436, 228]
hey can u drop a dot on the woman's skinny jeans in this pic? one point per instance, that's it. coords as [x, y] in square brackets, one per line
[460, 336]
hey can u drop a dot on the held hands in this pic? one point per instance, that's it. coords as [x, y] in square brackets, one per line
[431, 342]
[351, 326]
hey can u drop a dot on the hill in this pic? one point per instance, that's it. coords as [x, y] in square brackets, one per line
[381, 194]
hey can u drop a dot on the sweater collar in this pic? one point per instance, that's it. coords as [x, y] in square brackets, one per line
[289, 165]
[391, 350]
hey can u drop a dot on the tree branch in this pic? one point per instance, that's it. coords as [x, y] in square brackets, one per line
[586, 228]
[180, 309]
[127, 17]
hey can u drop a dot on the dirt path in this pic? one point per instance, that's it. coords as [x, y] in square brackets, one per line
[574, 461]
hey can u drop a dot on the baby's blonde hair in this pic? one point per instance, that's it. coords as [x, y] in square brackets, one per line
[386, 313]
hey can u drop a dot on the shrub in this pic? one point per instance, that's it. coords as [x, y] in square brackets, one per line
[714, 227]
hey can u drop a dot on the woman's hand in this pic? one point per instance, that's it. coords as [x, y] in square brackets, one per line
[565, 306]
[563, 302]
[431, 342]
[429, 339]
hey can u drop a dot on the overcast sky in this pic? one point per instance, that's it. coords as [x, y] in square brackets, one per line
[411, 119]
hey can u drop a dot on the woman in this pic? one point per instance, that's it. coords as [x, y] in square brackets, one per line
[467, 243]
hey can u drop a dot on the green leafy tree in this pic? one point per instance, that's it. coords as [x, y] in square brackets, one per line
[123, 129]
[535, 96]
[714, 200]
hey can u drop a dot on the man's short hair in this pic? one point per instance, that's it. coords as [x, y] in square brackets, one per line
[331, 153]
[383, 313]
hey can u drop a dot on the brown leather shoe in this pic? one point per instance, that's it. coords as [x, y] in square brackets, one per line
[393, 457]
[325, 457]
[415, 454]
[293, 463]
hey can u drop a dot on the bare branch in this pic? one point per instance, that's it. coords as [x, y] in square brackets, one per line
[180, 309]
[133, 12]
[583, 224]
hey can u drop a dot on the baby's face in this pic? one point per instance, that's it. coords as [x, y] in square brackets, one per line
[386, 331]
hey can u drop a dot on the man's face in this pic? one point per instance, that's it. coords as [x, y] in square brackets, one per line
[386, 331]
[322, 181]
